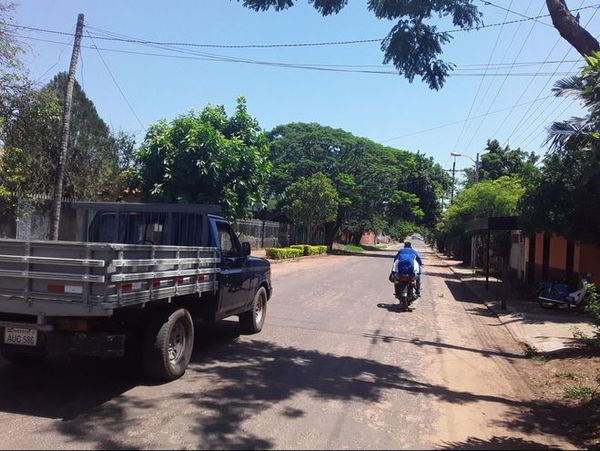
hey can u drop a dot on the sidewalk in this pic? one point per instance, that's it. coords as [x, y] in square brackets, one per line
[544, 331]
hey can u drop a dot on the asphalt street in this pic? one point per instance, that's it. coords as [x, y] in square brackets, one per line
[336, 366]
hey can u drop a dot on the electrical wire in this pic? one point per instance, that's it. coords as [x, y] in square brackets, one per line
[326, 68]
[460, 135]
[450, 124]
[523, 120]
[486, 2]
[505, 78]
[117, 84]
[279, 45]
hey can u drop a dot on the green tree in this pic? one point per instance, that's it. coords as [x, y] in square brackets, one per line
[414, 46]
[565, 197]
[13, 81]
[92, 170]
[206, 157]
[312, 201]
[498, 161]
[498, 197]
[365, 174]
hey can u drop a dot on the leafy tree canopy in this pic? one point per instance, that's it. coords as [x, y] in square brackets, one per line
[565, 197]
[31, 136]
[413, 45]
[206, 157]
[498, 161]
[365, 174]
[498, 197]
[312, 201]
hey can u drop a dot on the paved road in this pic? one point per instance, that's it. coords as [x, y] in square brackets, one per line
[335, 367]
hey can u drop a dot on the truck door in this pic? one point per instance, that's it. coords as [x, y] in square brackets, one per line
[235, 278]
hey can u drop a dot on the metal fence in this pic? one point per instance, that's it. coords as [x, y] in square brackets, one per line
[276, 234]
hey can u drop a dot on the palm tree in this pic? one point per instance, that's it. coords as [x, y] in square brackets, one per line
[577, 132]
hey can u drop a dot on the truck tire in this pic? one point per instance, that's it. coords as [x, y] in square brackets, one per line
[251, 322]
[168, 344]
[23, 359]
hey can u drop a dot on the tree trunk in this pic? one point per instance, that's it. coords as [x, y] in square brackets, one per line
[569, 28]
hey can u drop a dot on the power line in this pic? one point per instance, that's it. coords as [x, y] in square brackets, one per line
[460, 135]
[115, 82]
[486, 2]
[522, 121]
[309, 66]
[449, 124]
[279, 45]
[507, 75]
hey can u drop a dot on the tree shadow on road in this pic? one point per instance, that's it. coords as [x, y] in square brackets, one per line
[496, 442]
[229, 382]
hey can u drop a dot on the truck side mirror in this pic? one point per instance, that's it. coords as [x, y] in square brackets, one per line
[246, 250]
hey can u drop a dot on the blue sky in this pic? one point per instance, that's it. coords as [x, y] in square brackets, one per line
[379, 106]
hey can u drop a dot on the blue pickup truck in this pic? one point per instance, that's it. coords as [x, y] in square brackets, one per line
[129, 284]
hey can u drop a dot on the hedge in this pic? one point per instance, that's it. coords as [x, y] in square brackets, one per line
[295, 250]
[278, 253]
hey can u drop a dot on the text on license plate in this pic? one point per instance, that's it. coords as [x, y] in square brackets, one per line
[20, 336]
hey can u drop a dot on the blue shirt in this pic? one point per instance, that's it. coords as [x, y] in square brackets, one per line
[408, 255]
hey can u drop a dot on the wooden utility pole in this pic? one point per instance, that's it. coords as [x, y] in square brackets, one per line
[66, 125]
[453, 180]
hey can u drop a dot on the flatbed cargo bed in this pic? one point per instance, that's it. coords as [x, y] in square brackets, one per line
[62, 278]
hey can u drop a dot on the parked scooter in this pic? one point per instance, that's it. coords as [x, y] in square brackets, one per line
[553, 294]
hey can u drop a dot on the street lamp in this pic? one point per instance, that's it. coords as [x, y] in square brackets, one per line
[476, 161]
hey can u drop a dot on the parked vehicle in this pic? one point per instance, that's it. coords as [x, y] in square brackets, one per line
[553, 294]
[132, 286]
[404, 289]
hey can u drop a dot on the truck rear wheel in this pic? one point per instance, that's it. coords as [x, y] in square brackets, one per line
[24, 359]
[251, 322]
[168, 345]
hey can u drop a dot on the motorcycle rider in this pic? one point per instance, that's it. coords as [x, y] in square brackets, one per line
[408, 261]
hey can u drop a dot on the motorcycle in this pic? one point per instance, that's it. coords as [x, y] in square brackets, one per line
[404, 289]
[553, 294]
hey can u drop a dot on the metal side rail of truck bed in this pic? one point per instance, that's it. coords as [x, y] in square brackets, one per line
[62, 278]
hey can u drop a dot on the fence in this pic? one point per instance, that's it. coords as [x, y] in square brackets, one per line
[35, 223]
[276, 234]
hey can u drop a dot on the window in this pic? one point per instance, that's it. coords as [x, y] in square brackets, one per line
[229, 246]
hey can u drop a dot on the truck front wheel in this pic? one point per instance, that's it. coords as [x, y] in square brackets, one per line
[251, 322]
[168, 344]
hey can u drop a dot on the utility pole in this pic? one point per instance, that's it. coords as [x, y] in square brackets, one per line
[66, 125]
[453, 179]
[477, 168]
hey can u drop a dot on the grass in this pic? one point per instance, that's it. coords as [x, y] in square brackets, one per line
[353, 248]
[578, 392]
[533, 355]
[567, 375]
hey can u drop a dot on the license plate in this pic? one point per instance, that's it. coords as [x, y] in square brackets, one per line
[20, 336]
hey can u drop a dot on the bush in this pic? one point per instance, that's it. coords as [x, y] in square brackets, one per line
[310, 250]
[279, 253]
